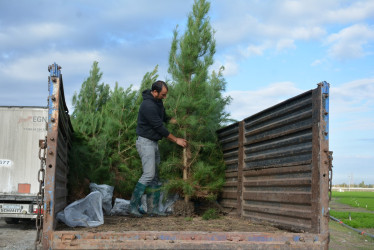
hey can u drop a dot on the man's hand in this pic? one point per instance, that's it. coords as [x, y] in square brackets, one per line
[173, 121]
[181, 142]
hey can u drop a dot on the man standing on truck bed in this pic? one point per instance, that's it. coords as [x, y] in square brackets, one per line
[150, 130]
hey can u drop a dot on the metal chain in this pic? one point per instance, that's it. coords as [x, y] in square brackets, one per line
[40, 195]
[330, 173]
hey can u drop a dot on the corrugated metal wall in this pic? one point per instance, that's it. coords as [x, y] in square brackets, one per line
[274, 163]
[58, 145]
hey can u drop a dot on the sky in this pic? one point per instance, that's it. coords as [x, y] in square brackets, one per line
[271, 51]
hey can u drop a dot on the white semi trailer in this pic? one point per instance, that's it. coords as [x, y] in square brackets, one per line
[21, 129]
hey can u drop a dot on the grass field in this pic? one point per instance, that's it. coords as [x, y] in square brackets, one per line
[362, 218]
[358, 220]
[356, 199]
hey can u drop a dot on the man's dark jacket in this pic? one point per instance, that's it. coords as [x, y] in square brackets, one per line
[151, 118]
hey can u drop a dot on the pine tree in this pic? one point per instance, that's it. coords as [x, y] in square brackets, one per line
[86, 157]
[89, 103]
[117, 139]
[118, 135]
[104, 123]
[197, 104]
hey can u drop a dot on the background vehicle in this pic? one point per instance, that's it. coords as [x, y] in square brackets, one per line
[21, 128]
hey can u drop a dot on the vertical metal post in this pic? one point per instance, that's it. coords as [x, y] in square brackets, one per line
[240, 168]
[325, 159]
[52, 138]
[320, 159]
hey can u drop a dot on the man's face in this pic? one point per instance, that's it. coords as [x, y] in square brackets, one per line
[161, 95]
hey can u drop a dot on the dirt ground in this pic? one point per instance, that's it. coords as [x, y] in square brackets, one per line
[17, 236]
[187, 217]
[342, 238]
[173, 223]
[22, 236]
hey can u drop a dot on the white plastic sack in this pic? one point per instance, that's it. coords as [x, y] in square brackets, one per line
[86, 212]
[166, 204]
[120, 207]
[107, 192]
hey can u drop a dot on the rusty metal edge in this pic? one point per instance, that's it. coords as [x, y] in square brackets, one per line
[52, 139]
[240, 169]
[185, 240]
[320, 174]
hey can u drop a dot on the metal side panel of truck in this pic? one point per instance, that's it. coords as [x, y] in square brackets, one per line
[277, 172]
[21, 128]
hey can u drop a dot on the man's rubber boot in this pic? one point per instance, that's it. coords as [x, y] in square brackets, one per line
[156, 192]
[136, 199]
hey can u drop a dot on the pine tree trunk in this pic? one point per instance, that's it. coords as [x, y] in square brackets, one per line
[185, 171]
[186, 166]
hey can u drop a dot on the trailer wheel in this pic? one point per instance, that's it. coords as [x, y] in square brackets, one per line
[11, 220]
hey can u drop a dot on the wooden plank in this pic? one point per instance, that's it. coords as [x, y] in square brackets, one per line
[297, 213]
[293, 225]
[282, 197]
[230, 139]
[277, 171]
[229, 148]
[292, 140]
[229, 194]
[228, 204]
[281, 153]
[231, 162]
[279, 134]
[280, 123]
[231, 184]
[280, 113]
[230, 154]
[278, 182]
[230, 174]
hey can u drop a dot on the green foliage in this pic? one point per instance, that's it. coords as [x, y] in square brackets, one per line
[82, 162]
[104, 122]
[210, 214]
[195, 100]
[356, 199]
[188, 218]
[89, 102]
[358, 220]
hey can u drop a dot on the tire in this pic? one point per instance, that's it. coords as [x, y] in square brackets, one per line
[11, 220]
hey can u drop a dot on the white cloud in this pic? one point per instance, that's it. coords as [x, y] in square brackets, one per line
[254, 50]
[356, 12]
[33, 67]
[349, 42]
[247, 103]
[307, 32]
[32, 34]
[229, 63]
[352, 113]
[353, 97]
[347, 102]
[285, 44]
[255, 28]
[316, 62]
